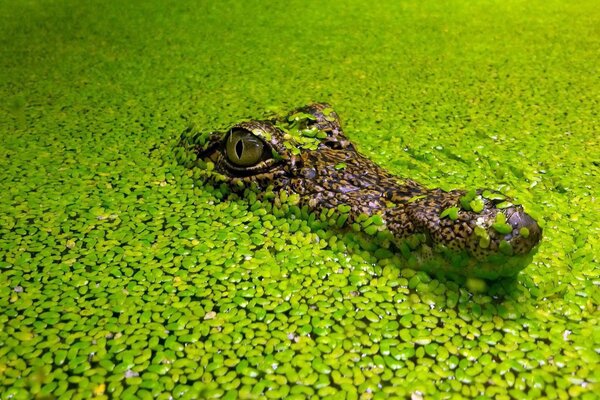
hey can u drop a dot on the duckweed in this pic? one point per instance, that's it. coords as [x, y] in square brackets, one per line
[451, 213]
[500, 224]
[123, 275]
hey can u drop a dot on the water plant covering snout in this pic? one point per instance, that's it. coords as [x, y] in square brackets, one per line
[303, 161]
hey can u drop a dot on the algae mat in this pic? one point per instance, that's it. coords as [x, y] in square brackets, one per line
[122, 276]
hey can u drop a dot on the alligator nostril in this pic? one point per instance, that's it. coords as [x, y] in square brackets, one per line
[519, 219]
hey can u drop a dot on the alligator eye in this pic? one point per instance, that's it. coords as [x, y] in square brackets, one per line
[243, 149]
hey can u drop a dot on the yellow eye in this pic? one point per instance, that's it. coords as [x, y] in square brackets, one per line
[243, 149]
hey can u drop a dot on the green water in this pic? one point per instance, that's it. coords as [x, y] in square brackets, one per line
[122, 276]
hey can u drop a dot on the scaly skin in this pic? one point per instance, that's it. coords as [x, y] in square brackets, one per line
[306, 156]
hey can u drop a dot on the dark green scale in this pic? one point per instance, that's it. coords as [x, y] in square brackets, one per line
[305, 159]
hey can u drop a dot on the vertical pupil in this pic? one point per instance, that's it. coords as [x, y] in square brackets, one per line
[239, 148]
